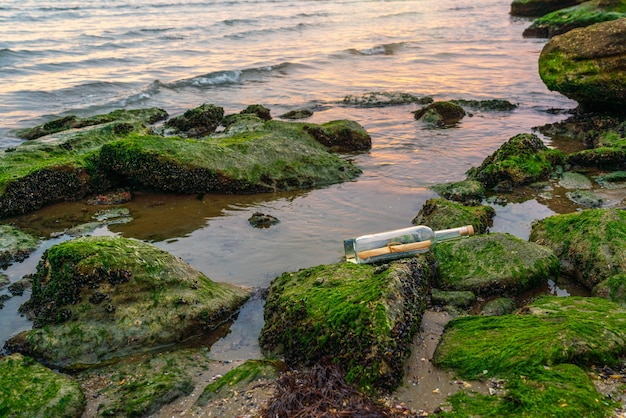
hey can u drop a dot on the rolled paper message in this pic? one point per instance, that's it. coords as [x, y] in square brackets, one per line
[394, 248]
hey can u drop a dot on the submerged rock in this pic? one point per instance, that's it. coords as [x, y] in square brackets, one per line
[28, 389]
[577, 16]
[360, 316]
[97, 299]
[523, 159]
[588, 65]
[440, 114]
[440, 214]
[532, 8]
[385, 98]
[340, 136]
[15, 245]
[493, 264]
[297, 114]
[492, 105]
[590, 244]
[262, 220]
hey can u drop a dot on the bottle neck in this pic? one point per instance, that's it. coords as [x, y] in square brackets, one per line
[447, 234]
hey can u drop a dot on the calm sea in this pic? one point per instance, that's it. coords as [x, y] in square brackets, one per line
[91, 57]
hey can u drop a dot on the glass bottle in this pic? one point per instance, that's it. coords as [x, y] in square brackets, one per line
[398, 243]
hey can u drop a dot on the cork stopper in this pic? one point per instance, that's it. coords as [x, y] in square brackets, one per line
[468, 230]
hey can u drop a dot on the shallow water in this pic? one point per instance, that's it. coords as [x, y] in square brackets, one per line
[88, 57]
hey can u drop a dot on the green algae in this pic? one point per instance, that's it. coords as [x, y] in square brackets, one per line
[613, 288]
[467, 191]
[97, 299]
[30, 390]
[361, 316]
[521, 160]
[564, 390]
[458, 298]
[238, 378]
[590, 244]
[549, 331]
[15, 244]
[493, 263]
[440, 214]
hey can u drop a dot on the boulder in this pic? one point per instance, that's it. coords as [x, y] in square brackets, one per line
[384, 98]
[613, 288]
[578, 16]
[466, 191]
[490, 105]
[532, 8]
[29, 389]
[590, 244]
[340, 136]
[588, 65]
[495, 263]
[498, 307]
[15, 245]
[362, 317]
[197, 122]
[438, 213]
[607, 149]
[440, 114]
[456, 298]
[523, 159]
[97, 299]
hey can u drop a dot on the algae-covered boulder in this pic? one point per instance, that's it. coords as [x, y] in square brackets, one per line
[440, 114]
[590, 244]
[578, 16]
[97, 299]
[457, 298]
[492, 264]
[30, 390]
[489, 105]
[608, 150]
[383, 98]
[130, 117]
[588, 65]
[466, 191]
[523, 159]
[613, 288]
[361, 316]
[197, 122]
[532, 8]
[340, 136]
[439, 213]
[274, 156]
[498, 306]
[15, 244]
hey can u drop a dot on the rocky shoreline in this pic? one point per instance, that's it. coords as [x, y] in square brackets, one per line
[116, 316]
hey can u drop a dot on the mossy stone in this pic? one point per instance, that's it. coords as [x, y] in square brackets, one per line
[15, 244]
[361, 316]
[533, 8]
[613, 288]
[197, 122]
[381, 99]
[585, 198]
[98, 299]
[521, 160]
[340, 136]
[493, 264]
[498, 307]
[457, 298]
[590, 244]
[438, 213]
[31, 390]
[492, 105]
[440, 114]
[573, 180]
[466, 191]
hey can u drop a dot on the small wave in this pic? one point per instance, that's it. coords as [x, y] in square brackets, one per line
[234, 22]
[58, 8]
[155, 29]
[386, 49]
[262, 33]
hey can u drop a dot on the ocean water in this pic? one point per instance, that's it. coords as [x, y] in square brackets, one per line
[91, 57]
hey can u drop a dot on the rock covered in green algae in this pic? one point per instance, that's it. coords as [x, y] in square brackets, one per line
[457, 298]
[608, 148]
[613, 288]
[591, 244]
[438, 213]
[588, 65]
[361, 316]
[97, 299]
[340, 136]
[531, 8]
[440, 114]
[491, 105]
[521, 160]
[384, 98]
[148, 116]
[466, 191]
[15, 244]
[493, 264]
[197, 122]
[577, 16]
[275, 156]
[30, 390]
[498, 307]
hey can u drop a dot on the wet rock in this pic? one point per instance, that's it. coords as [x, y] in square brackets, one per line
[493, 264]
[15, 245]
[112, 198]
[32, 390]
[4, 280]
[532, 8]
[585, 198]
[532, 351]
[440, 214]
[17, 288]
[261, 220]
[523, 159]
[382, 99]
[492, 105]
[498, 307]
[590, 244]
[614, 180]
[340, 136]
[572, 180]
[260, 111]
[457, 298]
[467, 191]
[613, 288]
[588, 66]
[147, 116]
[360, 316]
[576, 16]
[197, 122]
[297, 114]
[440, 114]
[143, 286]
